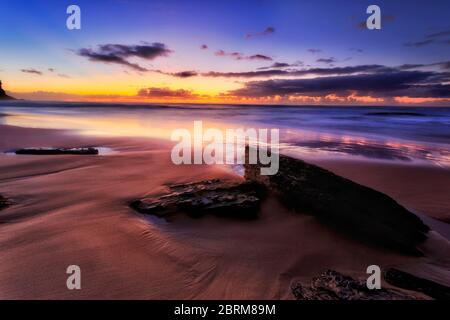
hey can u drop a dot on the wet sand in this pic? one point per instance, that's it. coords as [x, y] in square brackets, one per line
[73, 210]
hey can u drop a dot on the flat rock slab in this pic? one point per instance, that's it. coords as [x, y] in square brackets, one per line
[230, 199]
[332, 285]
[408, 281]
[57, 151]
[356, 210]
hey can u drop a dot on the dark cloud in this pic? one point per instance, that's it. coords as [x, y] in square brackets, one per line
[410, 66]
[445, 65]
[326, 60]
[444, 33]
[279, 65]
[441, 37]
[418, 44]
[180, 74]
[248, 74]
[375, 68]
[118, 53]
[32, 71]
[154, 92]
[314, 51]
[185, 74]
[267, 31]
[259, 57]
[240, 56]
[357, 50]
[204, 47]
[388, 84]
[51, 69]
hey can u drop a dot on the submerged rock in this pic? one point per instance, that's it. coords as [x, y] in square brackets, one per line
[408, 281]
[332, 285]
[58, 151]
[357, 210]
[234, 199]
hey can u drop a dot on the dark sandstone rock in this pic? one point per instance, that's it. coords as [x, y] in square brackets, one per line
[3, 202]
[332, 285]
[233, 199]
[352, 208]
[58, 151]
[408, 281]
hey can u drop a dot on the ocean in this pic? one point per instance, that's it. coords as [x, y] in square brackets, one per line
[399, 134]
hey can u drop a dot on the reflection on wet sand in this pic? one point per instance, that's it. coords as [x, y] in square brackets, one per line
[350, 141]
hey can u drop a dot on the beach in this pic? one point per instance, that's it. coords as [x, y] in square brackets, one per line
[73, 210]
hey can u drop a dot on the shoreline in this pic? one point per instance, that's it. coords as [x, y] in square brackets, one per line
[72, 210]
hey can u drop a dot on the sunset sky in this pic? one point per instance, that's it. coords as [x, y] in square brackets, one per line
[299, 52]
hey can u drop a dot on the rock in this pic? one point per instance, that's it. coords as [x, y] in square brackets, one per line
[357, 210]
[236, 199]
[3, 95]
[58, 151]
[408, 281]
[3, 202]
[332, 285]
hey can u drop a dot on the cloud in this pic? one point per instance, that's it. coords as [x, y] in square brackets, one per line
[444, 65]
[259, 57]
[154, 92]
[326, 60]
[266, 32]
[373, 68]
[443, 33]
[51, 69]
[118, 53]
[415, 84]
[418, 44]
[441, 37]
[185, 74]
[180, 74]
[281, 65]
[240, 56]
[357, 50]
[314, 51]
[32, 71]
[204, 47]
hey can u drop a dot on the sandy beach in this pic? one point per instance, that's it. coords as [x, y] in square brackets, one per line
[73, 210]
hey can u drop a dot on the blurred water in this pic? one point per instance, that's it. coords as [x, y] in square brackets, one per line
[407, 134]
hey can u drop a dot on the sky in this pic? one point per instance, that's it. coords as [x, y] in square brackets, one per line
[274, 52]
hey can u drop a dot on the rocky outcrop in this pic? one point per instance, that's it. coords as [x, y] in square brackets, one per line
[230, 199]
[332, 285]
[3, 202]
[357, 210]
[408, 281]
[3, 95]
[58, 151]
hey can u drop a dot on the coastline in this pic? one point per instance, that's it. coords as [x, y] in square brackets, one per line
[72, 210]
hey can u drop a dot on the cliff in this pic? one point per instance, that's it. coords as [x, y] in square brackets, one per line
[3, 95]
